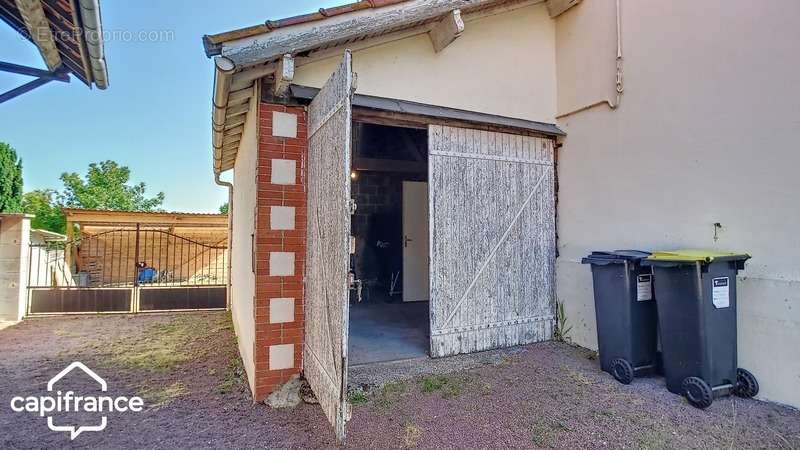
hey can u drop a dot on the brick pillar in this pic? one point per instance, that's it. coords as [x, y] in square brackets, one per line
[280, 245]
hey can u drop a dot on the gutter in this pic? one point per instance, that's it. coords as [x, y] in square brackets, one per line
[93, 36]
[223, 74]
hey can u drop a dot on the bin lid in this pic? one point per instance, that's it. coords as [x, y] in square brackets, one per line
[695, 255]
[614, 256]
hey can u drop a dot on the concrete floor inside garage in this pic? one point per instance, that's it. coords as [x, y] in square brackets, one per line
[382, 331]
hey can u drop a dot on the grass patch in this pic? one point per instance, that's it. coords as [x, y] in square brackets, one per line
[411, 435]
[357, 397]
[389, 393]
[161, 347]
[234, 375]
[654, 440]
[505, 361]
[545, 434]
[449, 386]
[157, 397]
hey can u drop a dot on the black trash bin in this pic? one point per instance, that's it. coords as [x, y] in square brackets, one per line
[696, 295]
[626, 313]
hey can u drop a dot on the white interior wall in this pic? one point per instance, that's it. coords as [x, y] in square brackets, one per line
[243, 214]
[473, 73]
[707, 132]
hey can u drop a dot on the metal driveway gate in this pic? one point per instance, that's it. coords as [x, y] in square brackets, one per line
[492, 245]
[126, 270]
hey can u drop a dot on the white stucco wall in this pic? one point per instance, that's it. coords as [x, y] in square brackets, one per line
[707, 132]
[502, 64]
[242, 276]
[14, 241]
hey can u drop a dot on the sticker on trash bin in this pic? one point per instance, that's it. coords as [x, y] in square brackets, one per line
[720, 292]
[644, 288]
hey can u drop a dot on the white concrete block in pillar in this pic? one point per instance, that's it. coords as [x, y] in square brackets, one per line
[284, 171]
[281, 310]
[281, 264]
[281, 356]
[281, 217]
[284, 124]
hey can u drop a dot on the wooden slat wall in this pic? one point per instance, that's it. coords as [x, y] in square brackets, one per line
[492, 239]
[328, 258]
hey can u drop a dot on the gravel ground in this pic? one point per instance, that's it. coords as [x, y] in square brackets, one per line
[547, 395]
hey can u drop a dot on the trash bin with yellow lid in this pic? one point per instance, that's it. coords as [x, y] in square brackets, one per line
[695, 293]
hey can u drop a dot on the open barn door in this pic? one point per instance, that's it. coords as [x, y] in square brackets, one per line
[492, 246]
[328, 244]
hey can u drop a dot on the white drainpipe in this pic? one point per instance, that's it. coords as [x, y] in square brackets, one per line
[230, 236]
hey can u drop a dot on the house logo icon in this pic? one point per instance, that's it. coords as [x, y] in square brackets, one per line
[66, 401]
[73, 430]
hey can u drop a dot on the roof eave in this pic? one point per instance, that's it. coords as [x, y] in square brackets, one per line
[254, 49]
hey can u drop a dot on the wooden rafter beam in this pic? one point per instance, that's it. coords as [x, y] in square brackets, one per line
[388, 165]
[557, 7]
[411, 144]
[446, 30]
[284, 74]
[33, 15]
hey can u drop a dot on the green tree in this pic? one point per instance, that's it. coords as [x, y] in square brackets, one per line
[106, 187]
[223, 209]
[48, 214]
[10, 179]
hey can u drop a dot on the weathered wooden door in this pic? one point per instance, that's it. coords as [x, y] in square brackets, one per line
[492, 239]
[328, 244]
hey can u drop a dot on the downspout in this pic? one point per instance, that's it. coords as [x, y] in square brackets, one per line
[230, 236]
[615, 104]
[93, 32]
[223, 74]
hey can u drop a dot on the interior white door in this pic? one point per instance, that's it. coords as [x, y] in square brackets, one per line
[416, 275]
[328, 249]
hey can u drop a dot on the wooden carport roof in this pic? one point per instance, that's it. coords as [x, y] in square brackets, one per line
[94, 217]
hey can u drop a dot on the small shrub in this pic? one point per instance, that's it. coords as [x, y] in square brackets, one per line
[358, 397]
[563, 327]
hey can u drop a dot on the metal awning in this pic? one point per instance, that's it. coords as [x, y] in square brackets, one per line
[437, 113]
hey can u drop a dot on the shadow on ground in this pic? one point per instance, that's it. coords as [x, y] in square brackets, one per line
[547, 395]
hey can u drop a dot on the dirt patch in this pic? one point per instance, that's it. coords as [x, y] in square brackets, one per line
[187, 368]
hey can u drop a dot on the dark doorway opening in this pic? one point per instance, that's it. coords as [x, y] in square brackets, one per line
[389, 320]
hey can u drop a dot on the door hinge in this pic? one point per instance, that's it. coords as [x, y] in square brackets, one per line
[351, 204]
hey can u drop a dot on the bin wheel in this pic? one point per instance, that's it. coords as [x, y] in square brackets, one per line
[622, 370]
[746, 384]
[697, 392]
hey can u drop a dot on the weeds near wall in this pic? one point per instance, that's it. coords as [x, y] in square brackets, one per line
[563, 328]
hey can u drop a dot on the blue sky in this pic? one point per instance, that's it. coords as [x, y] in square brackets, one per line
[154, 117]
